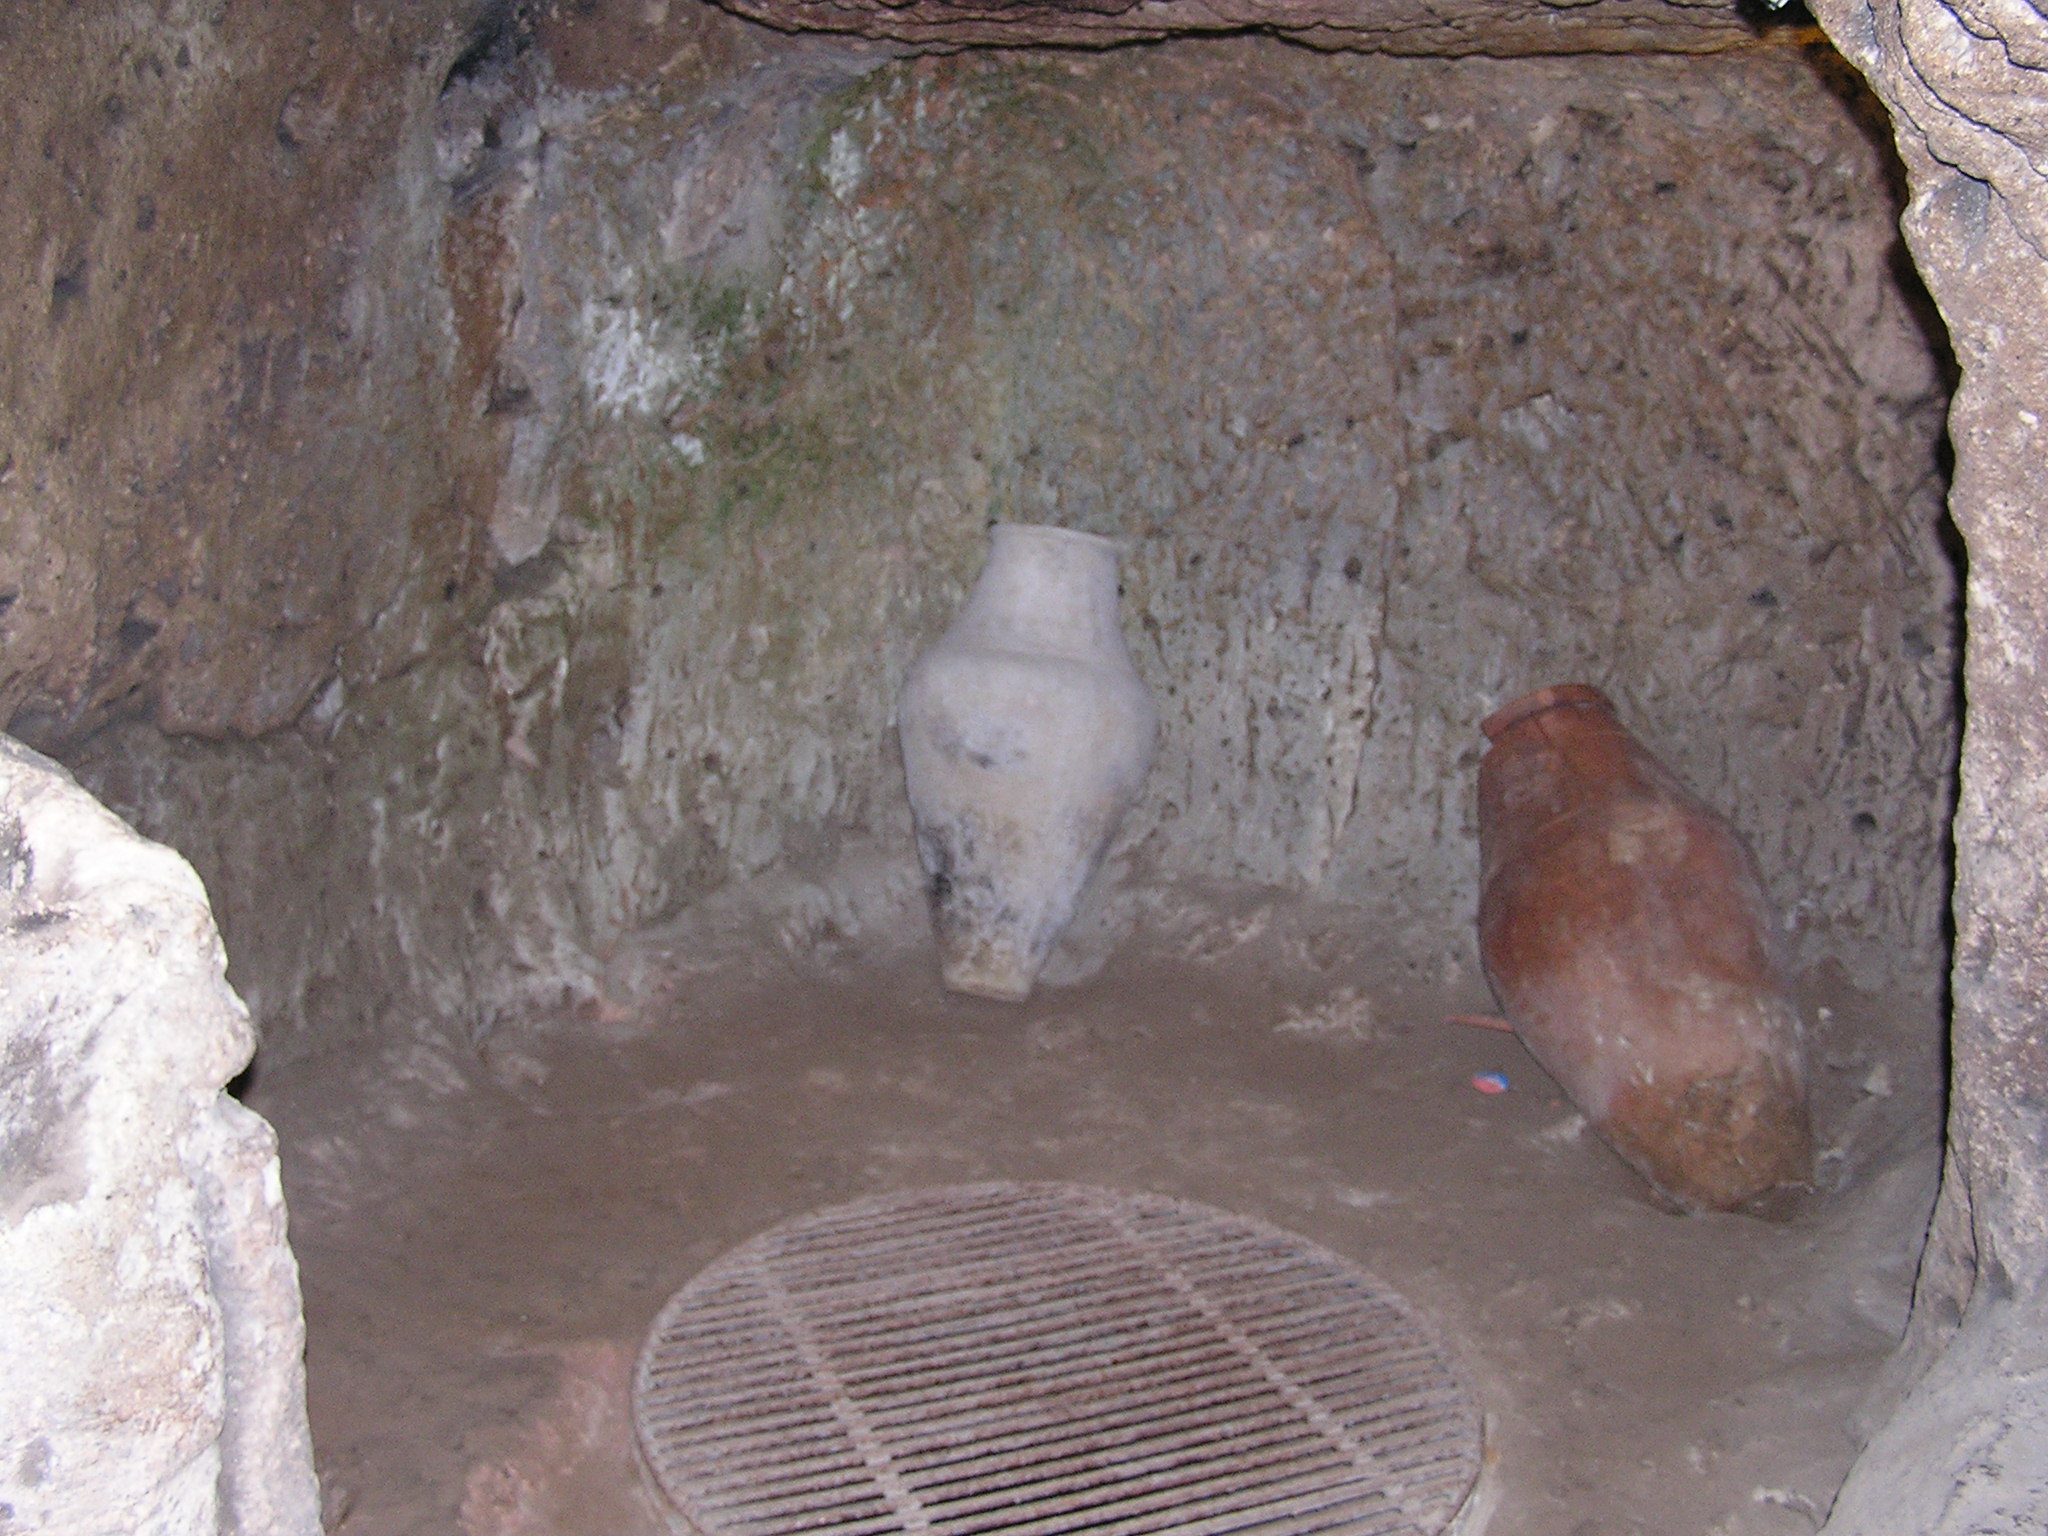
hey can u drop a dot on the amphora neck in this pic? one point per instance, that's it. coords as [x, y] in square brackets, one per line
[1045, 588]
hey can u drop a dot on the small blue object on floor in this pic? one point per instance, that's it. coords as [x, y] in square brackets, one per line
[1490, 1082]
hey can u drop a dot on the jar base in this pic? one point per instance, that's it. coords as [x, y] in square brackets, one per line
[997, 986]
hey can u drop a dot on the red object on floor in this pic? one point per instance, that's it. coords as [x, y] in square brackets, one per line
[1625, 930]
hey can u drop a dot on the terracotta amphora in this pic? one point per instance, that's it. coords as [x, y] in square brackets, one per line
[1626, 933]
[1026, 733]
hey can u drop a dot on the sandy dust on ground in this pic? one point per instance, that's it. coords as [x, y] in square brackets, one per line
[485, 1232]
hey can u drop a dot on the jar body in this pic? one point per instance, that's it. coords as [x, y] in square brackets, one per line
[1624, 928]
[1026, 734]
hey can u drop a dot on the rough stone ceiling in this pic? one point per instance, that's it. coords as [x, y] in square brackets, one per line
[1416, 27]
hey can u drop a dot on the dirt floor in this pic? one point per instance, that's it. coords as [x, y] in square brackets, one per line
[485, 1234]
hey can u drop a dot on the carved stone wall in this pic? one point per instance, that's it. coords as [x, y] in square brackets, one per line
[1409, 385]
[223, 483]
[1967, 86]
[1444, 29]
[154, 1379]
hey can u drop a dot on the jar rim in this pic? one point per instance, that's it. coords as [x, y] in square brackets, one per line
[1051, 531]
[1516, 711]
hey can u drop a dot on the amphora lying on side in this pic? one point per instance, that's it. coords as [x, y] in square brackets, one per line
[1625, 930]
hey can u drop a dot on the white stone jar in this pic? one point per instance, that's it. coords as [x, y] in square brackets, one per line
[1026, 734]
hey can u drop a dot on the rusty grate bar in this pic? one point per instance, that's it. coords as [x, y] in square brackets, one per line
[1045, 1359]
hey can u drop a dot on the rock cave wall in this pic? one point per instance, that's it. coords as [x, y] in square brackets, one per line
[734, 345]
[222, 479]
[155, 1373]
[1967, 1451]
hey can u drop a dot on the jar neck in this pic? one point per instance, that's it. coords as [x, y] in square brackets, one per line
[1048, 588]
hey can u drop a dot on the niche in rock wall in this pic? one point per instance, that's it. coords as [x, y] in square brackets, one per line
[1407, 385]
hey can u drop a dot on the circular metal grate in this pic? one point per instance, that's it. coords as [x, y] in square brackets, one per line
[1030, 1359]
